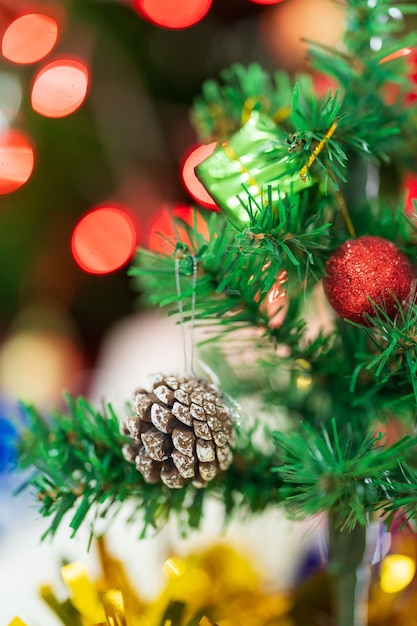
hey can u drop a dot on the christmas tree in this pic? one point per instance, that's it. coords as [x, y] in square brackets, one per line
[308, 268]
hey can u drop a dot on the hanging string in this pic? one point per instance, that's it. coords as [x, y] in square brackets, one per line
[180, 256]
[192, 321]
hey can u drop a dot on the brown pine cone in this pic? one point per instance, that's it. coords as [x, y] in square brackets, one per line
[182, 430]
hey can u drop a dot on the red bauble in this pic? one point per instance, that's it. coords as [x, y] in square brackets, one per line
[367, 269]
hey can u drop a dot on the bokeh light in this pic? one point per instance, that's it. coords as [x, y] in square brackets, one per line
[60, 88]
[16, 160]
[45, 361]
[104, 239]
[191, 182]
[409, 187]
[276, 301]
[173, 13]
[412, 75]
[286, 28]
[29, 38]
[164, 233]
[41, 355]
[397, 572]
[265, 1]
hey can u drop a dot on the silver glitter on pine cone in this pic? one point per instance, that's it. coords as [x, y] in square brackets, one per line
[181, 430]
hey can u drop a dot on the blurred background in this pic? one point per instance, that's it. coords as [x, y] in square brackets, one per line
[96, 147]
[95, 99]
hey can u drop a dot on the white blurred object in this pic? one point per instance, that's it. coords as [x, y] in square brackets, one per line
[135, 349]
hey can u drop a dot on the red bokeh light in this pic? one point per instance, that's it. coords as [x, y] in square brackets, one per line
[191, 182]
[409, 186]
[16, 160]
[392, 91]
[104, 239]
[265, 1]
[173, 13]
[412, 73]
[29, 38]
[164, 234]
[60, 88]
[276, 301]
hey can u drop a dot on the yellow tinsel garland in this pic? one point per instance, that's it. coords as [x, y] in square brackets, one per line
[219, 587]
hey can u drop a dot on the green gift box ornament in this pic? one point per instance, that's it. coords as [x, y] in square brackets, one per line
[240, 170]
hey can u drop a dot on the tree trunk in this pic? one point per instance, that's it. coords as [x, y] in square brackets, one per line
[349, 572]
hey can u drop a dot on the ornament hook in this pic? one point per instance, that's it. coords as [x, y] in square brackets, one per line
[180, 253]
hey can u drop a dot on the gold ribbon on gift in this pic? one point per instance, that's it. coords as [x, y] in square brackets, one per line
[250, 103]
[248, 108]
[281, 114]
[244, 170]
[339, 197]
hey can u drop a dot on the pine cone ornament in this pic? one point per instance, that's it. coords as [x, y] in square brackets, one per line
[182, 430]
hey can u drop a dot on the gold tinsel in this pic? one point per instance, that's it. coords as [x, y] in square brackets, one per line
[216, 587]
[219, 587]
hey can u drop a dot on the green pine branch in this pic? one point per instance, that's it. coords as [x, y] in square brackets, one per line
[222, 107]
[78, 471]
[367, 122]
[374, 118]
[235, 270]
[381, 20]
[394, 355]
[75, 467]
[328, 469]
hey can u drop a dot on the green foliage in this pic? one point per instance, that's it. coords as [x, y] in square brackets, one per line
[367, 102]
[234, 272]
[373, 117]
[220, 109]
[78, 460]
[395, 350]
[77, 470]
[327, 469]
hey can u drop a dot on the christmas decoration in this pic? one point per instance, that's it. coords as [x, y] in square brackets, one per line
[365, 272]
[183, 430]
[202, 588]
[222, 585]
[253, 157]
[303, 201]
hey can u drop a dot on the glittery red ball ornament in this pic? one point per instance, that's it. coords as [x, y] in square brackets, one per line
[367, 269]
